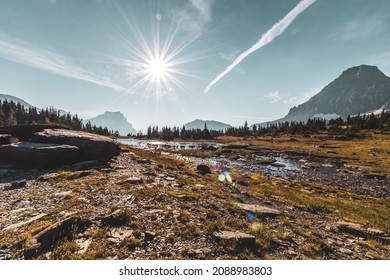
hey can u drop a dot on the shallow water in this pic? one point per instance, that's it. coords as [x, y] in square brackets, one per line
[164, 144]
[278, 166]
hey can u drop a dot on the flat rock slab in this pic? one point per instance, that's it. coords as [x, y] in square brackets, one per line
[47, 239]
[13, 226]
[235, 238]
[360, 231]
[117, 235]
[92, 146]
[257, 209]
[31, 154]
[25, 132]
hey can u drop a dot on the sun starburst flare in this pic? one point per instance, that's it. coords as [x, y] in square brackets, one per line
[157, 65]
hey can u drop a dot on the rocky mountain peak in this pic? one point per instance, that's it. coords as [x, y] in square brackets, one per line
[359, 89]
[115, 121]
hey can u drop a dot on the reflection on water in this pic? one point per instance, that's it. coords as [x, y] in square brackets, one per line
[327, 170]
[167, 145]
[289, 163]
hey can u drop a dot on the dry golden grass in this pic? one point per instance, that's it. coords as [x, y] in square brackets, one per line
[372, 150]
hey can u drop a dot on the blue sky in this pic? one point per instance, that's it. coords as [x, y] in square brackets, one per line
[153, 60]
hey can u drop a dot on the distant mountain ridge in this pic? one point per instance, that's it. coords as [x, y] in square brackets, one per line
[357, 90]
[211, 125]
[15, 99]
[115, 121]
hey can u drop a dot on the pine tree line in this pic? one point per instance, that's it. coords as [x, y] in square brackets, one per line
[347, 126]
[166, 133]
[12, 113]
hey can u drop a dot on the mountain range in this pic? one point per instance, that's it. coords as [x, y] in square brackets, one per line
[15, 99]
[115, 121]
[361, 89]
[211, 125]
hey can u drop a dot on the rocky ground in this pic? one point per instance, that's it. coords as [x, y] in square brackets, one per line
[153, 204]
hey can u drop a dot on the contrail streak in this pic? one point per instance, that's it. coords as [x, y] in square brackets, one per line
[266, 38]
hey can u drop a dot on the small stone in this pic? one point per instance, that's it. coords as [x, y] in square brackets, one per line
[143, 161]
[154, 211]
[63, 194]
[150, 173]
[170, 179]
[203, 169]
[16, 185]
[150, 235]
[132, 181]
[83, 245]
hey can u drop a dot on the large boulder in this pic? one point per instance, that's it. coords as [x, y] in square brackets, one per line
[25, 132]
[29, 154]
[5, 139]
[92, 146]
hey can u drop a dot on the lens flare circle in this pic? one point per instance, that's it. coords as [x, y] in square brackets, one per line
[221, 178]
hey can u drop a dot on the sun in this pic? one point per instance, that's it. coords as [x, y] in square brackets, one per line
[158, 66]
[158, 69]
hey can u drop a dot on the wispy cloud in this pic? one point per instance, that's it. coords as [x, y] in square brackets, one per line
[277, 97]
[194, 17]
[203, 7]
[43, 59]
[266, 38]
[274, 97]
[359, 29]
